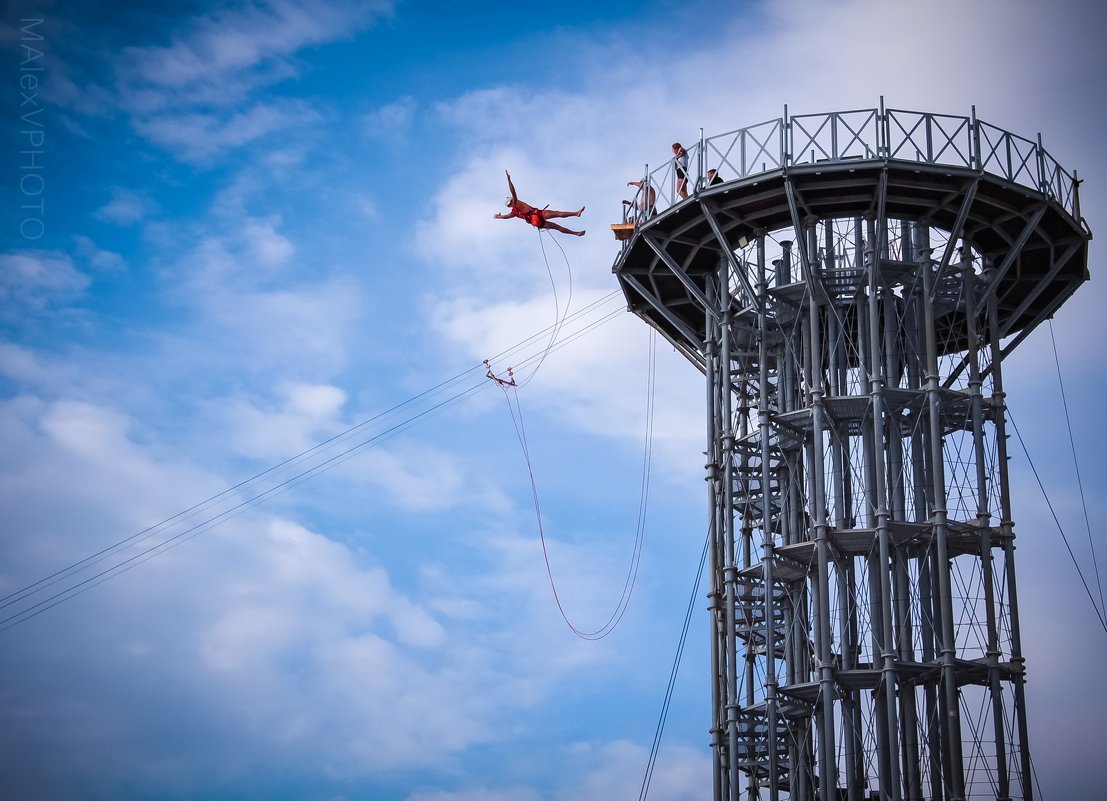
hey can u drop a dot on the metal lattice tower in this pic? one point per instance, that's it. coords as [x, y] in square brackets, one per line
[850, 292]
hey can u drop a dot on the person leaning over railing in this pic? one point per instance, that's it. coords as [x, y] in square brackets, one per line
[645, 201]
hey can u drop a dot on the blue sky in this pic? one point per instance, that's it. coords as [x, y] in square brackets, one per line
[266, 223]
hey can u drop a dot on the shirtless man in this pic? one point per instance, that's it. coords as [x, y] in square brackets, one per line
[646, 207]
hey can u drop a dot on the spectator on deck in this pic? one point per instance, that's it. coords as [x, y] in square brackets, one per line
[645, 201]
[680, 165]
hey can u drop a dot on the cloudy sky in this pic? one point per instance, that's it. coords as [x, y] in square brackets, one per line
[266, 530]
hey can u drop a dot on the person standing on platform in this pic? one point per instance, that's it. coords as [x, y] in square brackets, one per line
[680, 165]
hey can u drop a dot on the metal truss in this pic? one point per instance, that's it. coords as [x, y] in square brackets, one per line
[851, 313]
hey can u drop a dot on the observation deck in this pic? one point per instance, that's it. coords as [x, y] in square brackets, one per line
[999, 195]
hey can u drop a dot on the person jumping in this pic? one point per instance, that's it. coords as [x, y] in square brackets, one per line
[539, 218]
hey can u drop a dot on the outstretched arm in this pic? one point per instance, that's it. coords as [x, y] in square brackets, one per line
[511, 186]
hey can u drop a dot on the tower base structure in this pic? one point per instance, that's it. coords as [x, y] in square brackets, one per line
[850, 297]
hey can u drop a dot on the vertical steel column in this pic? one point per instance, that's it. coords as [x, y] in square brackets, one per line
[747, 462]
[730, 571]
[999, 409]
[894, 313]
[767, 532]
[922, 476]
[711, 370]
[896, 498]
[747, 594]
[983, 518]
[889, 780]
[828, 777]
[878, 725]
[951, 708]
[852, 718]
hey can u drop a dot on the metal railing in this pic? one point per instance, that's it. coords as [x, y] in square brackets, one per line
[865, 135]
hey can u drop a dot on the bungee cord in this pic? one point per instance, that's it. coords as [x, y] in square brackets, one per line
[1076, 563]
[1076, 465]
[559, 318]
[262, 486]
[659, 730]
[510, 388]
[192, 531]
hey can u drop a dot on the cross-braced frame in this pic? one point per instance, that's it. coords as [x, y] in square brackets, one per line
[851, 315]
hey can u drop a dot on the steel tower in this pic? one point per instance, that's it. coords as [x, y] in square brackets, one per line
[849, 292]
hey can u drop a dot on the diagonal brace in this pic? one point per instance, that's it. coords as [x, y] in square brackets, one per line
[1013, 254]
[735, 267]
[661, 309]
[694, 289]
[955, 234]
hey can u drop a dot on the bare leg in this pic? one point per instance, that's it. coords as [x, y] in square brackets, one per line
[548, 213]
[557, 227]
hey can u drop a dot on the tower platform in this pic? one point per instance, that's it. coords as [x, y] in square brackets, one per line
[1023, 218]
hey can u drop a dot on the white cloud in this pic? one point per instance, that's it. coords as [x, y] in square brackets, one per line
[37, 279]
[98, 258]
[186, 96]
[402, 474]
[91, 446]
[299, 644]
[367, 206]
[226, 44]
[21, 365]
[267, 246]
[310, 579]
[315, 400]
[391, 122]
[303, 649]
[306, 650]
[84, 376]
[201, 136]
[289, 327]
[126, 207]
[615, 770]
[83, 429]
[597, 385]
[479, 794]
[259, 305]
[608, 770]
[240, 253]
[305, 415]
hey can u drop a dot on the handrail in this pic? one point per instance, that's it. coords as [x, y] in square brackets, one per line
[869, 134]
